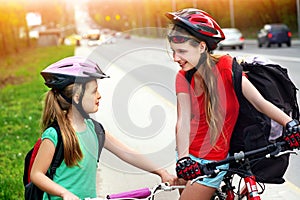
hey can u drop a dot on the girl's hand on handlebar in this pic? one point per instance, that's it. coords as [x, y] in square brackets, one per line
[188, 169]
[69, 196]
[167, 177]
[292, 136]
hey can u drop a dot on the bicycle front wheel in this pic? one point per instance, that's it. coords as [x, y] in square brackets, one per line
[218, 195]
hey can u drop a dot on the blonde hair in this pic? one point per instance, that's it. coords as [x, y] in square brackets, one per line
[56, 108]
[213, 110]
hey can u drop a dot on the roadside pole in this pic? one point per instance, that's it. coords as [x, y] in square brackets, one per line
[231, 8]
[298, 16]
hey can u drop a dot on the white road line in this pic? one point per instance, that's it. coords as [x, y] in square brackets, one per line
[281, 58]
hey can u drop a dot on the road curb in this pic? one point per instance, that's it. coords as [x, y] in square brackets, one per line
[294, 187]
[295, 42]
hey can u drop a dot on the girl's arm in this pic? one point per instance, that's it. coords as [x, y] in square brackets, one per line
[134, 158]
[262, 105]
[39, 168]
[183, 124]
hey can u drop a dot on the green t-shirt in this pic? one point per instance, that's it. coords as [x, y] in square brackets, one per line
[80, 180]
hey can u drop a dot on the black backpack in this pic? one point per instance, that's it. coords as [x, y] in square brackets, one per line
[255, 130]
[32, 192]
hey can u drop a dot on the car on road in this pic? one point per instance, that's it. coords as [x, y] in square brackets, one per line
[92, 34]
[107, 39]
[274, 34]
[233, 38]
[73, 39]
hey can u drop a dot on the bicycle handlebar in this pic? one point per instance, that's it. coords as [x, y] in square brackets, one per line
[272, 150]
[144, 192]
[139, 193]
[268, 151]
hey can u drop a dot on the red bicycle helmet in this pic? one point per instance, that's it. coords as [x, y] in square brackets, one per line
[200, 24]
[70, 70]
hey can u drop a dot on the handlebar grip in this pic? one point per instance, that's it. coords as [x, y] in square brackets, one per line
[277, 147]
[140, 193]
[282, 143]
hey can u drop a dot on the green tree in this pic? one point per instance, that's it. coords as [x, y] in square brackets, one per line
[12, 19]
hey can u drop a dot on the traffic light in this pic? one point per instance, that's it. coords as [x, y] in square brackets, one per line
[118, 17]
[107, 18]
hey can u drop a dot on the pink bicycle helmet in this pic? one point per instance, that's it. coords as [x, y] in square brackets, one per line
[200, 24]
[70, 70]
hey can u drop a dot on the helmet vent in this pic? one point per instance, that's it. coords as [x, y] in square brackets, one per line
[66, 66]
[207, 29]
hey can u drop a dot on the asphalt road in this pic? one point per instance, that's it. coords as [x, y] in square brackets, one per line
[138, 105]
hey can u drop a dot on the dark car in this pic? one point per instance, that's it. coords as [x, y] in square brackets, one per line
[274, 34]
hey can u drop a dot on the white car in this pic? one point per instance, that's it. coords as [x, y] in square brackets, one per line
[94, 42]
[233, 38]
[107, 39]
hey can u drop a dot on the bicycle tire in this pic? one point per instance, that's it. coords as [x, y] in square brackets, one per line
[244, 197]
[218, 195]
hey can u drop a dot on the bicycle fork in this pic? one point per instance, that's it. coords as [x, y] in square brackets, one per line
[250, 183]
[228, 188]
[250, 189]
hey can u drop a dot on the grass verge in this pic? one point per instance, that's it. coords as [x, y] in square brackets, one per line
[21, 96]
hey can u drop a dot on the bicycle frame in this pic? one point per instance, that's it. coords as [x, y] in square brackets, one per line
[250, 189]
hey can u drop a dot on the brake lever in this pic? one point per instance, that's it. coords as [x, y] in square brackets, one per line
[280, 150]
[205, 176]
[282, 153]
[171, 188]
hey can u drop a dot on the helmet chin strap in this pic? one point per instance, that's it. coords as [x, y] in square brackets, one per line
[79, 104]
[202, 59]
[81, 110]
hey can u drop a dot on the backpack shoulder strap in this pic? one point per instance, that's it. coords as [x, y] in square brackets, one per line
[189, 74]
[100, 132]
[59, 152]
[237, 73]
[237, 70]
[31, 155]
